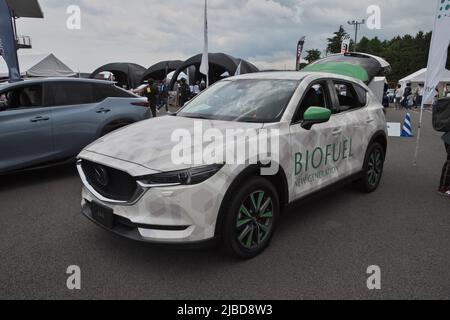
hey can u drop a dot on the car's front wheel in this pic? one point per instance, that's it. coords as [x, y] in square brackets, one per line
[373, 169]
[251, 219]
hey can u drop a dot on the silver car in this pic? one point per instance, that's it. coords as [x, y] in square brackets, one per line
[49, 121]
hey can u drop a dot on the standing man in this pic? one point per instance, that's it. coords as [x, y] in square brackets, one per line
[163, 96]
[419, 95]
[398, 97]
[406, 94]
[151, 93]
[184, 92]
[447, 90]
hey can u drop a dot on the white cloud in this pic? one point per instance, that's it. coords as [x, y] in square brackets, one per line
[263, 31]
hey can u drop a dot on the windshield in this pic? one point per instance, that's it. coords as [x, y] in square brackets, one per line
[260, 101]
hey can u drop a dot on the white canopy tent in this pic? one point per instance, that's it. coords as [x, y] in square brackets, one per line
[420, 76]
[39, 65]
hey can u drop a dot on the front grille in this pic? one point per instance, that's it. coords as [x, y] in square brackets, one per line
[110, 183]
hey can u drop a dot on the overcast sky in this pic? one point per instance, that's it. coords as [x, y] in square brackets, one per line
[262, 31]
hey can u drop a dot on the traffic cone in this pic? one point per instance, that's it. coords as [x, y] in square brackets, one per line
[407, 129]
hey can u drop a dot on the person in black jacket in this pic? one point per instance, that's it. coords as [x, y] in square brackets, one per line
[151, 93]
[406, 94]
[444, 187]
[184, 92]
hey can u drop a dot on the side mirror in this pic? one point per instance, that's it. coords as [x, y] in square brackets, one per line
[315, 115]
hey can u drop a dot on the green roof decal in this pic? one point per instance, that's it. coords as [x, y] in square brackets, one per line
[341, 68]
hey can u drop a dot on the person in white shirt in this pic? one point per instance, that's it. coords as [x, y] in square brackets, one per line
[447, 90]
[398, 97]
[419, 95]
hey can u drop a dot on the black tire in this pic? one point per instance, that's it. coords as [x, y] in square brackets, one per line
[373, 169]
[259, 226]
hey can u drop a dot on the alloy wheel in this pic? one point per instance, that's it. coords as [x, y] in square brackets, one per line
[375, 167]
[255, 220]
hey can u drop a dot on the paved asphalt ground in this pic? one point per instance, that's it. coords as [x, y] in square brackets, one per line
[321, 250]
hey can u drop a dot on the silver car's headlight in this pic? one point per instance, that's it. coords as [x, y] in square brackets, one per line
[190, 176]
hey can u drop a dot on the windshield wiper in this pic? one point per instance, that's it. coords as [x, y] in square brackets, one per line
[196, 117]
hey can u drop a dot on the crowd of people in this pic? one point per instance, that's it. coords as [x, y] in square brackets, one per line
[157, 93]
[408, 98]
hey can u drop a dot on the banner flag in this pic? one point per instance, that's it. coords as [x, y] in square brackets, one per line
[437, 60]
[8, 48]
[300, 45]
[204, 66]
[438, 50]
[345, 47]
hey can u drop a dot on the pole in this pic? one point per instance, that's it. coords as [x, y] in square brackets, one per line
[419, 134]
[356, 24]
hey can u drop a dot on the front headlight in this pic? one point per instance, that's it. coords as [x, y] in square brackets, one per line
[190, 176]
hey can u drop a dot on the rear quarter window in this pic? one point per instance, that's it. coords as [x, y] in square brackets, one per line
[362, 95]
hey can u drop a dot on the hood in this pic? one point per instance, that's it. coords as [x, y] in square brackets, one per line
[149, 143]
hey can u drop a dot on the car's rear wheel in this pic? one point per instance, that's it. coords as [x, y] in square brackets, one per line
[373, 169]
[251, 219]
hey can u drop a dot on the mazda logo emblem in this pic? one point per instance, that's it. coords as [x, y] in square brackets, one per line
[101, 176]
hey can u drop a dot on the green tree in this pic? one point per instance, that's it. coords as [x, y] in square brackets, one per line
[335, 43]
[312, 55]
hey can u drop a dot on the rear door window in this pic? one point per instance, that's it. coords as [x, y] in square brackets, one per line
[70, 93]
[348, 98]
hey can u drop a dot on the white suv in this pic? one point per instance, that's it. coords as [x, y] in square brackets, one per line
[330, 128]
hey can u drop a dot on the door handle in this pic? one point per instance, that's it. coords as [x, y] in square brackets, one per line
[337, 132]
[39, 119]
[370, 120]
[103, 110]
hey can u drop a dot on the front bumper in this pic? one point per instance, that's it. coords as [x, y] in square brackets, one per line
[167, 215]
[125, 228]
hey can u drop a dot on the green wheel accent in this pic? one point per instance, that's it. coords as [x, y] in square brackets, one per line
[255, 220]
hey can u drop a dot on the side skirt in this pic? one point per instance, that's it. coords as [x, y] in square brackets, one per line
[320, 193]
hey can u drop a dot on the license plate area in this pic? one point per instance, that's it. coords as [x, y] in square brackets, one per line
[103, 215]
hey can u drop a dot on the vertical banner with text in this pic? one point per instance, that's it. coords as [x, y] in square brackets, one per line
[438, 50]
[8, 49]
[437, 60]
[300, 45]
[345, 47]
[204, 66]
